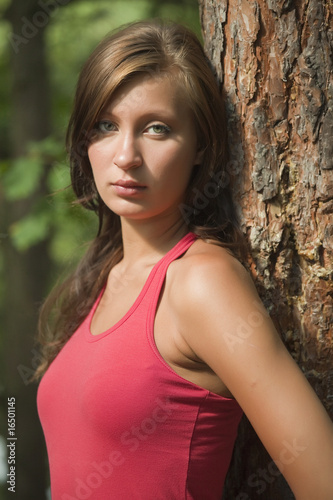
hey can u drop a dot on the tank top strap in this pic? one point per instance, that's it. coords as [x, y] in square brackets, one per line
[177, 251]
[158, 276]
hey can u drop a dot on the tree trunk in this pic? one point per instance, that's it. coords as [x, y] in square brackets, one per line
[25, 274]
[274, 59]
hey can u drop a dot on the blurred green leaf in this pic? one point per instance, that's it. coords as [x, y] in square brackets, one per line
[22, 178]
[30, 230]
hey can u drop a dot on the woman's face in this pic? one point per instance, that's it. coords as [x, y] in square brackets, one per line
[145, 148]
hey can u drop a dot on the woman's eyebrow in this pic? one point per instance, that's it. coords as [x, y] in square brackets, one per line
[151, 114]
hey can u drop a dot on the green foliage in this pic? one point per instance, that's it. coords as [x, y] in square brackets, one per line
[30, 230]
[22, 177]
[52, 217]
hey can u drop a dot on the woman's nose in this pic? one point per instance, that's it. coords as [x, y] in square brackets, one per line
[127, 154]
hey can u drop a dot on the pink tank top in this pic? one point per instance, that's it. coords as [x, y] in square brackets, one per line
[120, 424]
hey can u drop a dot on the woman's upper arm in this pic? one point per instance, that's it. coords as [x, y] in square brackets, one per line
[226, 325]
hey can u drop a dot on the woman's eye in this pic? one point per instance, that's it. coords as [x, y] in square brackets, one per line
[158, 129]
[105, 126]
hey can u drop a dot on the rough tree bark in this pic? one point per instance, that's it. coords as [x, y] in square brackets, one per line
[274, 59]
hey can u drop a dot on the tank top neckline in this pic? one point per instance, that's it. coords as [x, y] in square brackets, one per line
[182, 243]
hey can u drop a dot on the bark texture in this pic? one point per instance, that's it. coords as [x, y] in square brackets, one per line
[274, 59]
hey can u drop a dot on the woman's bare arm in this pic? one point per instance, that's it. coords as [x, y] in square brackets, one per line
[226, 325]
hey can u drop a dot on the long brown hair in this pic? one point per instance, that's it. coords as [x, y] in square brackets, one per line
[147, 48]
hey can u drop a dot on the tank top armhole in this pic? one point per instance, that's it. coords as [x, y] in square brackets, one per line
[150, 319]
[154, 297]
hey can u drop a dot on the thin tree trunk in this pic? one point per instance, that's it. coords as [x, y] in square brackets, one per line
[25, 273]
[274, 59]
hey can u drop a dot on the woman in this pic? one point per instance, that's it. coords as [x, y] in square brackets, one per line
[160, 341]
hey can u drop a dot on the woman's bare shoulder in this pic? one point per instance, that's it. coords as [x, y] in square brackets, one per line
[212, 288]
[208, 267]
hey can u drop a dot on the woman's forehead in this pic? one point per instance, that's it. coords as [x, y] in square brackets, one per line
[161, 90]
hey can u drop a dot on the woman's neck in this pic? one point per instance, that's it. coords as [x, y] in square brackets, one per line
[147, 242]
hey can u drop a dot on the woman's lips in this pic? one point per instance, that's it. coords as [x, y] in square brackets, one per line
[128, 187]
